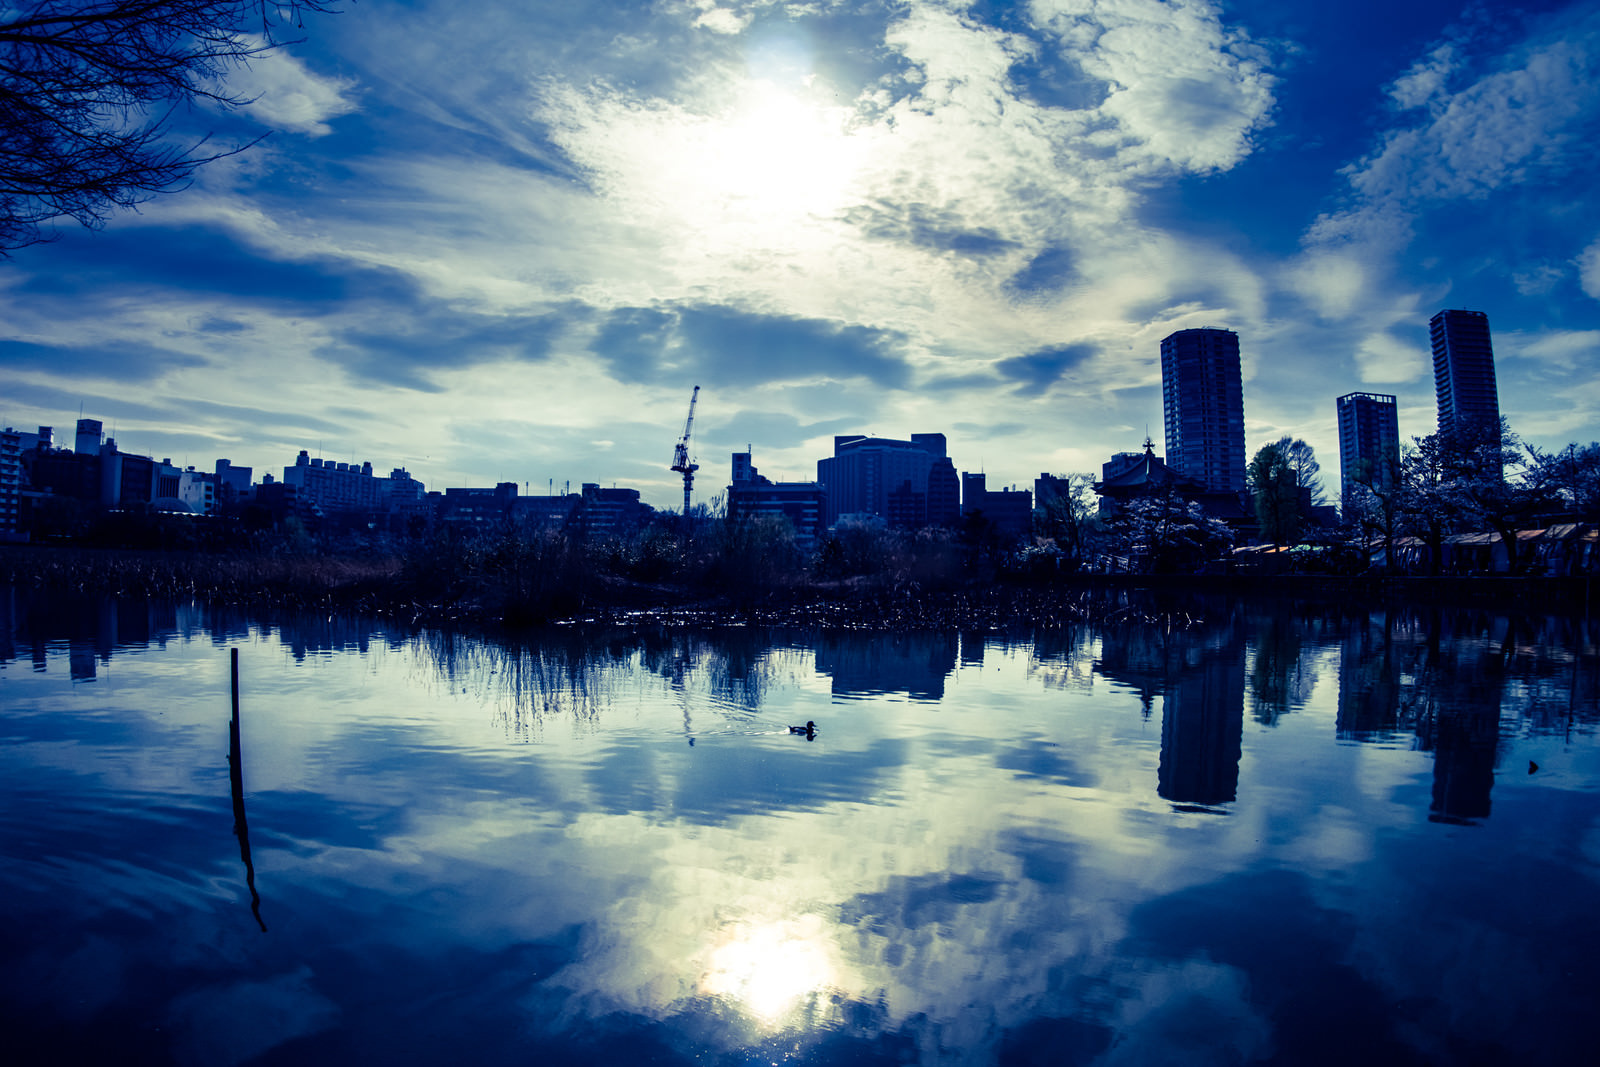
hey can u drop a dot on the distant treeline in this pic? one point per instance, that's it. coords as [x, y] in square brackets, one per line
[751, 570]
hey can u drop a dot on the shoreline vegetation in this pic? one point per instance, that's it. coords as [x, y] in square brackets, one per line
[522, 584]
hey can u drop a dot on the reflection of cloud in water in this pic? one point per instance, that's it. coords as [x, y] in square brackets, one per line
[849, 912]
[220, 1026]
[1193, 1014]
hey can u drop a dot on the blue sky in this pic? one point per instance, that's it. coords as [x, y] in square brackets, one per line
[502, 241]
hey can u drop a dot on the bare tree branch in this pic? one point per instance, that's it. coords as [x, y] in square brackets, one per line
[88, 89]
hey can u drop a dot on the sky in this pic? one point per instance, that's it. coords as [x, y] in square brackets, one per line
[501, 240]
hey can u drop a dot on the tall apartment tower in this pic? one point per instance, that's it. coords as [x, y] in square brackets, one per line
[1369, 435]
[1463, 370]
[1202, 399]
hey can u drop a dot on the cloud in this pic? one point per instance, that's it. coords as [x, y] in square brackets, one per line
[434, 338]
[201, 260]
[1588, 264]
[769, 431]
[1563, 350]
[1538, 278]
[729, 346]
[1188, 90]
[1503, 129]
[1527, 118]
[924, 226]
[1383, 358]
[717, 19]
[1039, 370]
[231, 1024]
[127, 361]
[284, 94]
[1049, 269]
[1426, 79]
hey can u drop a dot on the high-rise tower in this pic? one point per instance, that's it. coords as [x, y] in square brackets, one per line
[1369, 437]
[1202, 399]
[1463, 371]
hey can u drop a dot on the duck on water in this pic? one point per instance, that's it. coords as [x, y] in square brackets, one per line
[809, 730]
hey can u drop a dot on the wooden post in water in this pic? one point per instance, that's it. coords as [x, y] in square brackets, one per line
[241, 829]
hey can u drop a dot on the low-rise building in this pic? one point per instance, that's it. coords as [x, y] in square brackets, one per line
[1009, 510]
[610, 511]
[804, 504]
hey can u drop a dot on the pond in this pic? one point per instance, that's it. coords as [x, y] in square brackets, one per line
[1233, 834]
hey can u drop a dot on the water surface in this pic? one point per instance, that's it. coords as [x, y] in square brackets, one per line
[1286, 836]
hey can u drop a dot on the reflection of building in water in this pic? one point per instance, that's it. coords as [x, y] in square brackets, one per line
[95, 628]
[1369, 688]
[1442, 678]
[1137, 656]
[1460, 682]
[1463, 741]
[1202, 727]
[915, 664]
[1200, 677]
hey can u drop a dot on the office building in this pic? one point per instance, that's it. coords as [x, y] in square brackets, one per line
[1463, 371]
[803, 504]
[1202, 399]
[1369, 446]
[864, 471]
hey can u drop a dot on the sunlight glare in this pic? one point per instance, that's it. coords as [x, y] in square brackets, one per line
[769, 969]
[779, 153]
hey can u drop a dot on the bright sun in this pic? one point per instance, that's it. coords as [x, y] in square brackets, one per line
[776, 154]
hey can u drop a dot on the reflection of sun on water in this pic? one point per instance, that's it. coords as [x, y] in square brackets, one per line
[771, 969]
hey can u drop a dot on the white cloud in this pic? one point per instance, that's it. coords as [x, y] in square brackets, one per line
[1384, 358]
[1589, 269]
[1470, 126]
[285, 95]
[1513, 124]
[1331, 282]
[1496, 132]
[1426, 79]
[1556, 349]
[1188, 90]
[720, 19]
[1537, 279]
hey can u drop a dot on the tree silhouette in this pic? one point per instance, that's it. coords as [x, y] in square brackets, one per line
[1570, 475]
[87, 90]
[1302, 459]
[1375, 500]
[1276, 487]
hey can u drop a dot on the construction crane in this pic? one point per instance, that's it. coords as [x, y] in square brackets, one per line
[680, 455]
